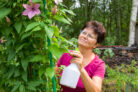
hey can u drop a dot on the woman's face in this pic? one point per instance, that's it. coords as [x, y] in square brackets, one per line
[87, 39]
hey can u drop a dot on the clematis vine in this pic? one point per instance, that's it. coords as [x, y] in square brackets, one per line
[54, 10]
[31, 10]
[7, 19]
[2, 40]
[58, 1]
[60, 31]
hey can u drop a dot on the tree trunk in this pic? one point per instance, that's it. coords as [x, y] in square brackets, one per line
[110, 15]
[133, 23]
[104, 6]
[119, 20]
[86, 11]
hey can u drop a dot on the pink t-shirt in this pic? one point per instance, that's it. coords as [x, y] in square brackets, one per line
[95, 68]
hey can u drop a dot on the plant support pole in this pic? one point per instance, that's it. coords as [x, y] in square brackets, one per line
[50, 55]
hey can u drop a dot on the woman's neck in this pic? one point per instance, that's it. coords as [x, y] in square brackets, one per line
[88, 55]
[86, 52]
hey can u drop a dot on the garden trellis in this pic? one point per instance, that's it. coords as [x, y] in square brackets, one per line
[50, 55]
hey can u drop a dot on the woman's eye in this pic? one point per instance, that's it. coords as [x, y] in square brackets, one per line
[84, 33]
[90, 36]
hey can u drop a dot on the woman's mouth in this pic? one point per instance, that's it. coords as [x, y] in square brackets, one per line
[82, 39]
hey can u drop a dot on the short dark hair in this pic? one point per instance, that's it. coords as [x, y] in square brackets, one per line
[98, 29]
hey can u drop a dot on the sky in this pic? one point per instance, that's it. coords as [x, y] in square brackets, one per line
[77, 3]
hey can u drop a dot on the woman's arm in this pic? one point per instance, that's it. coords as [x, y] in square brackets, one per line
[91, 84]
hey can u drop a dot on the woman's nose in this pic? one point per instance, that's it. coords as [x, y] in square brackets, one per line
[85, 36]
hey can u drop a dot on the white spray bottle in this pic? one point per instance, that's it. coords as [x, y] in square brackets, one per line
[70, 76]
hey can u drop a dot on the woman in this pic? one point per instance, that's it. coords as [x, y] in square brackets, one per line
[91, 67]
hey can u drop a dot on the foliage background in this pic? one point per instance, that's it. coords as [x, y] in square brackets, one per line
[113, 14]
[24, 57]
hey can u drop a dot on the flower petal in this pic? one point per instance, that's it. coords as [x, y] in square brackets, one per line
[61, 0]
[31, 14]
[30, 0]
[26, 12]
[56, 1]
[37, 11]
[37, 6]
[26, 6]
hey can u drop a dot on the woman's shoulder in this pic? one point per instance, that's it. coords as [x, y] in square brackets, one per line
[66, 55]
[98, 61]
[64, 59]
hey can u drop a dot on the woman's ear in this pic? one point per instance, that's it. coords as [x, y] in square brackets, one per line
[97, 44]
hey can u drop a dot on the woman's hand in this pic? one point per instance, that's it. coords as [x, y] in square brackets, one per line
[77, 58]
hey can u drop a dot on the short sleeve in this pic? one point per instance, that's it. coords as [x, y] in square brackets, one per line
[100, 70]
[60, 61]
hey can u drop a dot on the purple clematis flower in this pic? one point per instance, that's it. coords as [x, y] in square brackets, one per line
[31, 10]
[58, 1]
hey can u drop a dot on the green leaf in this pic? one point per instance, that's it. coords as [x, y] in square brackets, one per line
[20, 47]
[62, 19]
[49, 32]
[109, 52]
[10, 73]
[42, 24]
[39, 35]
[48, 21]
[37, 58]
[36, 1]
[16, 85]
[21, 88]
[64, 50]
[4, 12]
[24, 76]
[54, 40]
[2, 90]
[18, 26]
[77, 49]
[6, 30]
[69, 19]
[56, 31]
[16, 73]
[40, 72]
[56, 51]
[50, 72]
[33, 84]
[36, 29]
[31, 26]
[68, 11]
[24, 64]
[11, 53]
[63, 39]
[26, 35]
[97, 51]
[31, 88]
[15, 88]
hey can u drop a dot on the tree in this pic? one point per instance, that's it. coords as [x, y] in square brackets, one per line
[133, 23]
[113, 14]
